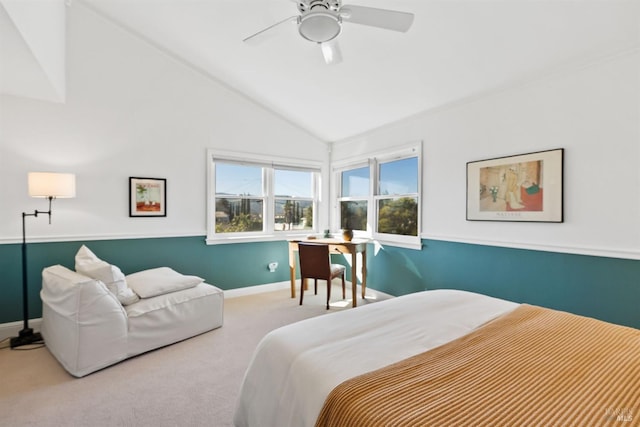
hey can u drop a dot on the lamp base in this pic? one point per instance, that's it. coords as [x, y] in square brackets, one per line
[26, 337]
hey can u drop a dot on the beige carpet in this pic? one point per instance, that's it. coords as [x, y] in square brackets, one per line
[191, 383]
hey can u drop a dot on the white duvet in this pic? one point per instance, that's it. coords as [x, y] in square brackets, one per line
[295, 367]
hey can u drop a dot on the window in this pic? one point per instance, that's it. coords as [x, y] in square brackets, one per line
[379, 196]
[354, 198]
[294, 200]
[397, 197]
[239, 198]
[255, 200]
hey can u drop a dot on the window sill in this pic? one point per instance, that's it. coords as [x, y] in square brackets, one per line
[415, 245]
[406, 245]
[255, 238]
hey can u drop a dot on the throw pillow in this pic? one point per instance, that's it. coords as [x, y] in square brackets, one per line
[90, 265]
[159, 281]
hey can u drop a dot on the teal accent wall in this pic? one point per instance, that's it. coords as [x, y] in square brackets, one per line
[227, 266]
[604, 288]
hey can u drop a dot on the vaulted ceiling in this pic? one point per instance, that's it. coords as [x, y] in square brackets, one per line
[455, 50]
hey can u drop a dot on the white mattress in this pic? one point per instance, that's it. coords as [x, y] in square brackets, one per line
[295, 367]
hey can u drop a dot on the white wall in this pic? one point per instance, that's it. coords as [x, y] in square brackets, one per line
[33, 49]
[593, 112]
[131, 110]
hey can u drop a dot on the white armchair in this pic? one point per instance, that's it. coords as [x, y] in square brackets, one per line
[87, 328]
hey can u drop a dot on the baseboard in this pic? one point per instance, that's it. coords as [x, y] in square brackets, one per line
[270, 287]
[257, 289]
[11, 329]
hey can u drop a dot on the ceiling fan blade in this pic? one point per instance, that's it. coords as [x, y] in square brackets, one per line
[331, 52]
[374, 17]
[259, 35]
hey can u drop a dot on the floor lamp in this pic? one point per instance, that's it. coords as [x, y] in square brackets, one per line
[49, 185]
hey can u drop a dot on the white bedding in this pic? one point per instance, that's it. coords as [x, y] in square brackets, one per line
[295, 367]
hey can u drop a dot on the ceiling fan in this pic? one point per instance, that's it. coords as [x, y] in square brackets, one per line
[320, 21]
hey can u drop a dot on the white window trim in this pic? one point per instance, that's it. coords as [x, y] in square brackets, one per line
[269, 234]
[372, 160]
[335, 217]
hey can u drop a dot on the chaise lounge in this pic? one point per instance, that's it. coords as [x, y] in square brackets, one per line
[87, 326]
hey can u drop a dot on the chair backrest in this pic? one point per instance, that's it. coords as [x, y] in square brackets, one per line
[314, 261]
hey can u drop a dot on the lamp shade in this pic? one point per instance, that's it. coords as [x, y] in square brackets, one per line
[50, 184]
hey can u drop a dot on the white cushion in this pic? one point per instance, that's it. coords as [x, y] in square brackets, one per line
[83, 323]
[159, 281]
[337, 269]
[90, 265]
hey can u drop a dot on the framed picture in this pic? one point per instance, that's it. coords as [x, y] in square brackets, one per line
[526, 187]
[147, 197]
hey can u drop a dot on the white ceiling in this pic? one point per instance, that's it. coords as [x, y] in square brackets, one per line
[455, 50]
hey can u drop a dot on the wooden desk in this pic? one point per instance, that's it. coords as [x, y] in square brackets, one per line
[355, 247]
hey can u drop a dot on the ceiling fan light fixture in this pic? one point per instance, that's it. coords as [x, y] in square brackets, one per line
[319, 26]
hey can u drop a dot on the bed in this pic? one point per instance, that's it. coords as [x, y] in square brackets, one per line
[443, 357]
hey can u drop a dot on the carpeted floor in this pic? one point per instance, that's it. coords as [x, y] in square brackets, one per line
[191, 383]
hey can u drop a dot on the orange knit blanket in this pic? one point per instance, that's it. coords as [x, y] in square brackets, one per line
[533, 366]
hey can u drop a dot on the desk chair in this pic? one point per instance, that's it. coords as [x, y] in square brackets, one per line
[315, 264]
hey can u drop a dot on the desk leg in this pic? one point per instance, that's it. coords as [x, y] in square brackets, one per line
[292, 271]
[364, 271]
[354, 278]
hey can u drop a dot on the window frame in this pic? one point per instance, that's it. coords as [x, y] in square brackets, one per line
[339, 198]
[268, 166]
[373, 160]
[314, 199]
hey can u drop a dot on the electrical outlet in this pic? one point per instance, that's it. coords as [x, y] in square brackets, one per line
[273, 266]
